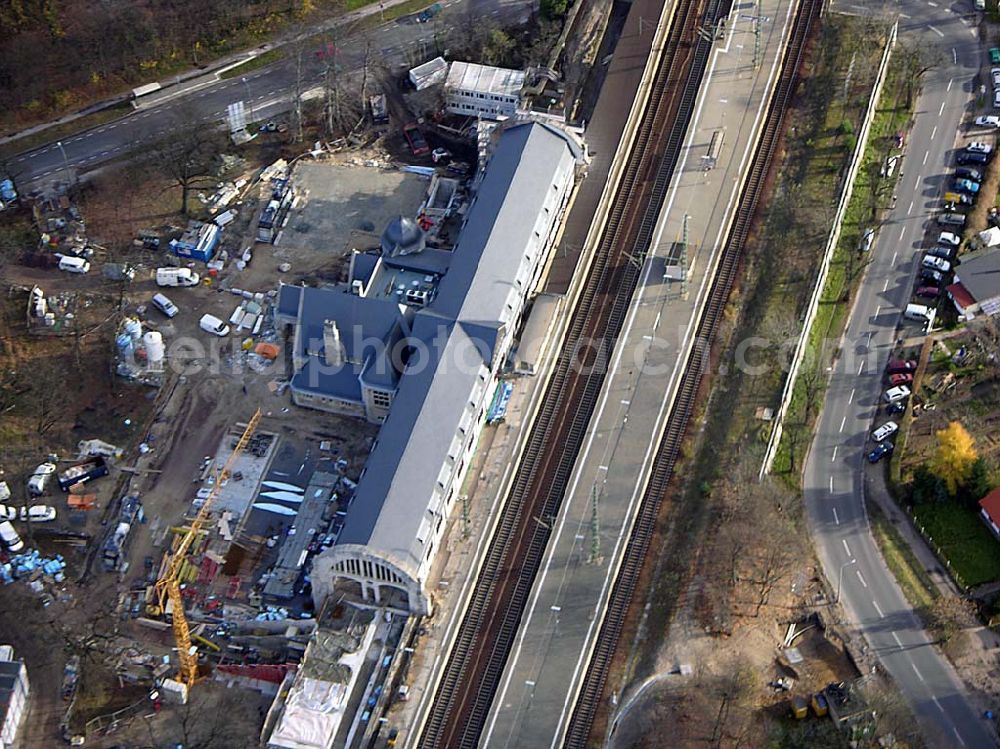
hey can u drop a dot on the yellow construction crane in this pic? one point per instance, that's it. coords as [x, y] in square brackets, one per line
[168, 587]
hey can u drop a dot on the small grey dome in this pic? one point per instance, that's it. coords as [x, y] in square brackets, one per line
[402, 237]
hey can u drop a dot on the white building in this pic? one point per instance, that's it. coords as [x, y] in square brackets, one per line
[456, 346]
[13, 696]
[482, 90]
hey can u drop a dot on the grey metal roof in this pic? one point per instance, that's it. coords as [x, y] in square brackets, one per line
[402, 236]
[980, 275]
[502, 220]
[395, 494]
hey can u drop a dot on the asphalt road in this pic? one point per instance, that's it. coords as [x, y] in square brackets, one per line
[266, 90]
[834, 471]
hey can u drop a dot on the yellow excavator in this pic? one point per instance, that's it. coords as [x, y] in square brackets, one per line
[168, 587]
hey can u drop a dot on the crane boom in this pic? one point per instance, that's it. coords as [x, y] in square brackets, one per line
[168, 587]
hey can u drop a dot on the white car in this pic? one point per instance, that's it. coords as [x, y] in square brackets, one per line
[995, 75]
[38, 513]
[949, 238]
[989, 120]
[936, 263]
[38, 480]
[977, 146]
[896, 394]
[885, 431]
[8, 513]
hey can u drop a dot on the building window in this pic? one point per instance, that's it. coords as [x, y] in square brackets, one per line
[381, 399]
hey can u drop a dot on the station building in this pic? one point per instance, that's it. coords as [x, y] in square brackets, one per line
[416, 340]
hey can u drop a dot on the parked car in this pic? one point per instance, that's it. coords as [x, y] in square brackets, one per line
[936, 263]
[903, 378]
[901, 365]
[995, 75]
[8, 513]
[38, 513]
[896, 408]
[967, 172]
[947, 237]
[440, 154]
[416, 140]
[968, 157]
[965, 185]
[41, 476]
[428, 13]
[896, 393]
[928, 292]
[951, 219]
[931, 276]
[881, 450]
[176, 277]
[945, 253]
[885, 431]
[163, 303]
[977, 146]
[989, 120]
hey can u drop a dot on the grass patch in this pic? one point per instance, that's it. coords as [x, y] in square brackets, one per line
[962, 540]
[871, 196]
[64, 130]
[260, 61]
[913, 579]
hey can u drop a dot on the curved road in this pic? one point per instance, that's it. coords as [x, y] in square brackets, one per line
[267, 91]
[833, 477]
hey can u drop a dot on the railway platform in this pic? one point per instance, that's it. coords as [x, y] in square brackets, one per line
[539, 686]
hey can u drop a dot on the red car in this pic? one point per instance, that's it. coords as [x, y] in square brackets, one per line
[901, 366]
[900, 379]
[418, 144]
[928, 292]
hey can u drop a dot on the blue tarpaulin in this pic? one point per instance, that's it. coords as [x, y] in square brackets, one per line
[498, 408]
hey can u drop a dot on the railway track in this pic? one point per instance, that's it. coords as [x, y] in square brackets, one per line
[486, 634]
[579, 728]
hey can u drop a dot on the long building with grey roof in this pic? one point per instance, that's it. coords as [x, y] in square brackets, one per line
[436, 368]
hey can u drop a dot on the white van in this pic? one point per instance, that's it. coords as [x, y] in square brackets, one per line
[74, 264]
[213, 325]
[917, 312]
[9, 537]
[38, 480]
[176, 277]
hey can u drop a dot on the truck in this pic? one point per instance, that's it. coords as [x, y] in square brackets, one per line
[379, 109]
[81, 473]
[416, 140]
[116, 543]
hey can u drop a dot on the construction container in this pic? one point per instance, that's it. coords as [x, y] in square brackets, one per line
[799, 707]
[819, 705]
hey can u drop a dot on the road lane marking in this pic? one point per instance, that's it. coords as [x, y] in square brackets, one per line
[958, 735]
[831, 485]
[885, 286]
[933, 5]
[926, 154]
[917, 672]
[950, 81]
[881, 615]
[846, 547]
[902, 229]
[842, 422]
[908, 212]
[896, 638]
[954, 55]
[861, 578]
[833, 458]
[894, 254]
[836, 518]
[878, 310]
[861, 367]
[934, 130]
[938, 704]
[851, 399]
[935, 30]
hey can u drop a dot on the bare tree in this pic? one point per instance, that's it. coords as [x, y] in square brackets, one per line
[188, 155]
